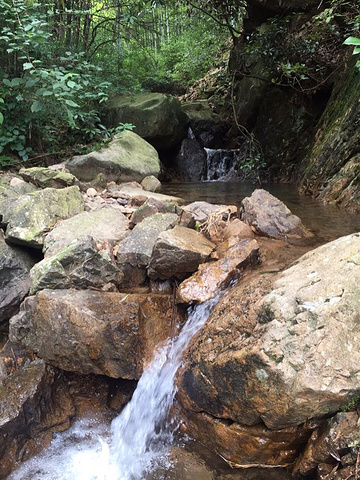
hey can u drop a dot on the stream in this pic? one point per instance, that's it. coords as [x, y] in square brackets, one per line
[138, 442]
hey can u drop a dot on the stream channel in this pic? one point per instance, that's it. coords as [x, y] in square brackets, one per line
[140, 443]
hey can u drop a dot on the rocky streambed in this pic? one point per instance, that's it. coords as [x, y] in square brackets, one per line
[93, 279]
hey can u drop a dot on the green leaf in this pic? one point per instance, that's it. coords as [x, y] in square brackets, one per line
[71, 103]
[71, 84]
[36, 106]
[1, 118]
[352, 41]
[16, 81]
[7, 82]
[28, 66]
[356, 51]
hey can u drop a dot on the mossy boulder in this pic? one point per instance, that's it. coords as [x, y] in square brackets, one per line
[47, 177]
[158, 118]
[29, 217]
[126, 158]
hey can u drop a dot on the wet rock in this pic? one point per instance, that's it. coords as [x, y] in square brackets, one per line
[30, 216]
[158, 118]
[107, 226]
[14, 278]
[23, 398]
[78, 265]
[47, 178]
[93, 332]
[151, 184]
[132, 192]
[205, 124]
[243, 446]
[215, 276]
[134, 252]
[238, 229]
[190, 161]
[284, 351]
[127, 157]
[150, 207]
[203, 210]
[178, 252]
[268, 216]
[331, 444]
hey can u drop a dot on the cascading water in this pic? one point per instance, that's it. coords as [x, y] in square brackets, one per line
[219, 164]
[140, 436]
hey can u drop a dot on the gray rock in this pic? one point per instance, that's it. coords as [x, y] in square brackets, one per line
[134, 253]
[132, 192]
[271, 217]
[190, 161]
[151, 184]
[127, 157]
[157, 117]
[150, 207]
[78, 265]
[106, 226]
[85, 331]
[14, 278]
[203, 210]
[47, 177]
[30, 216]
[178, 252]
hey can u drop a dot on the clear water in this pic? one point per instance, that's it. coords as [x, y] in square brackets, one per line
[138, 440]
[327, 222]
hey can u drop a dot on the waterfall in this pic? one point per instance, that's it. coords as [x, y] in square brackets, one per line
[140, 436]
[219, 164]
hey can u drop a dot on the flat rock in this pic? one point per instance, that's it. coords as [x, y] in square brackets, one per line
[212, 277]
[268, 216]
[14, 278]
[106, 225]
[81, 264]
[152, 206]
[178, 252]
[134, 252]
[93, 332]
[127, 157]
[132, 192]
[47, 177]
[29, 217]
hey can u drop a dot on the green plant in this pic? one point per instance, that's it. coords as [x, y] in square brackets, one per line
[356, 43]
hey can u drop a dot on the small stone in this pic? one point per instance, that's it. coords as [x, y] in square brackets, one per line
[91, 192]
[16, 181]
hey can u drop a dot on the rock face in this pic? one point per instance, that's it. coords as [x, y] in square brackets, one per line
[281, 358]
[93, 332]
[215, 276]
[190, 161]
[178, 252]
[126, 158]
[47, 177]
[14, 278]
[78, 265]
[107, 226]
[271, 217]
[158, 118]
[134, 253]
[28, 217]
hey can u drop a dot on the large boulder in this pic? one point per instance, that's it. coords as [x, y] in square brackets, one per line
[106, 225]
[81, 264]
[126, 158]
[190, 162]
[283, 352]
[270, 217]
[93, 332]
[29, 217]
[14, 278]
[178, 252]
[158, 118]
[134, 252]
[212, 277]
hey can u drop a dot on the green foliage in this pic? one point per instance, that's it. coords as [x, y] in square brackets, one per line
[356, 43]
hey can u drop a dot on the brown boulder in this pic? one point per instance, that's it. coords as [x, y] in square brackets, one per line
[93, 332]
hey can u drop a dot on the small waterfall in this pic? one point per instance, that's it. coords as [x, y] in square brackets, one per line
[219, 164]
[140, 436]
